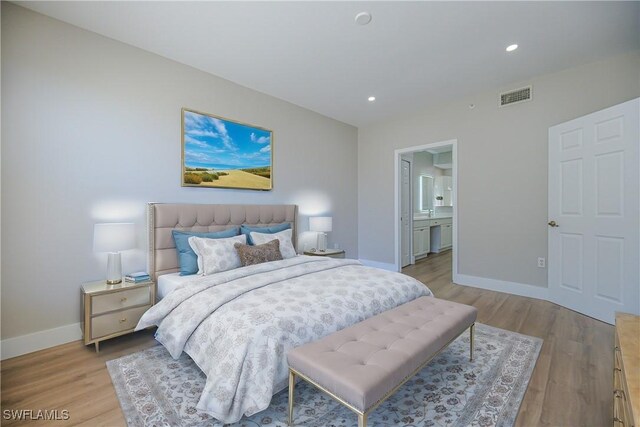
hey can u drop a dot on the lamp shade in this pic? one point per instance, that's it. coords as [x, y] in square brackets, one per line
[113, 237]
[322, 224]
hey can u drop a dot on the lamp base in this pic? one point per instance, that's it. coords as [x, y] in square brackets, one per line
[322, 242]
[114, 268]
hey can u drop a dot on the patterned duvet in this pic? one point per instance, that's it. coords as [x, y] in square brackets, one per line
[238, 325]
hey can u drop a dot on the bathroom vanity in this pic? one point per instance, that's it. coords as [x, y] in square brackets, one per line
[431, 234]
[433, 231]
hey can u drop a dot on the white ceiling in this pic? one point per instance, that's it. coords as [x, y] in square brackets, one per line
[412, 55]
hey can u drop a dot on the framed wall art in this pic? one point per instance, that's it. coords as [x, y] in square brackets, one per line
[223, 153]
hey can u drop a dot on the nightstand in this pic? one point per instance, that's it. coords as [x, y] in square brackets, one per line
[114, 310]
[331, 253]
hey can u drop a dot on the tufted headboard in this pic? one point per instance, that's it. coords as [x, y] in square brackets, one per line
[164, 217]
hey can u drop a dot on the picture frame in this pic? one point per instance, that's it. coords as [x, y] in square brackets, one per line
[223, 153]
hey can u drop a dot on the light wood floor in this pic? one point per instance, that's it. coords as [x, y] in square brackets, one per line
[571, 384]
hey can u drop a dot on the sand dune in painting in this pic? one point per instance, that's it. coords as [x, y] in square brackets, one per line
[254, 178]
[240, 179]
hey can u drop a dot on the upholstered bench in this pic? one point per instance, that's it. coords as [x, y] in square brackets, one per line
[362, 365]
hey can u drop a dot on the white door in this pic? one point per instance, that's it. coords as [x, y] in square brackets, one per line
[405, 212]
[594, 212]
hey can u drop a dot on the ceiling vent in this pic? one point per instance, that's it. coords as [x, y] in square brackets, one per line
[515, 96]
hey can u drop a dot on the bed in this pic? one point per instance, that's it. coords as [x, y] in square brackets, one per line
[238, 325]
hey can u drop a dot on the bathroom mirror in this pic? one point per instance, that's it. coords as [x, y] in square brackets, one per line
[426, 192]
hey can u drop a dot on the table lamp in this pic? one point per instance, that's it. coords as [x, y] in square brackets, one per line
[113, 238]
[322, 225]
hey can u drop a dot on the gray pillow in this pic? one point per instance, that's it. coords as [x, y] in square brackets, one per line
[250, 255]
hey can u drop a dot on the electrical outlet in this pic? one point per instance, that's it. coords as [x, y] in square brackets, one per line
[542, 263]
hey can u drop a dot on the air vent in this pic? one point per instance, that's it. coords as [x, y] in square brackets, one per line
[515, 96]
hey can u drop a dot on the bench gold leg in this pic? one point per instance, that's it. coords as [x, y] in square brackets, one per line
[292, 385]
[471, 333]
[362, 420]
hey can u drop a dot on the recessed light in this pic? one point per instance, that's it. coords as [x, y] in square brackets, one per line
[512, 47]
[371, 98]
[363, 18]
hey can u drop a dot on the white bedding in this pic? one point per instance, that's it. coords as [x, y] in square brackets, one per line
[169, 282]
[238, 325]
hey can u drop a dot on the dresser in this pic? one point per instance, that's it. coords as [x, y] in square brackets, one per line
[114, 310]
[626, 371]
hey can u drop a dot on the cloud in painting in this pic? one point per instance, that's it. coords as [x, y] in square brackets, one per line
[209, 127]
[200, 158]
[196, 132]
[259, 139]
[223, 134]
[223, 144]
[188, 139]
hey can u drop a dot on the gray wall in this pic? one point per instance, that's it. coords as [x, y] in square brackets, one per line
[502, 167]
[92, 132]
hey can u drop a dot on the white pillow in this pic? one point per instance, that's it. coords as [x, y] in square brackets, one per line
[216, 254]
[286, 246]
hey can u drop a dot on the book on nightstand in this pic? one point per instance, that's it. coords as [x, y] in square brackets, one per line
[139, 277]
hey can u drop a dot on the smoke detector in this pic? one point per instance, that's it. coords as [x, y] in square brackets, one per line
[363, 18]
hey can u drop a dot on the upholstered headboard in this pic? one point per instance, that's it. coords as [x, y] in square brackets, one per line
[164, 217]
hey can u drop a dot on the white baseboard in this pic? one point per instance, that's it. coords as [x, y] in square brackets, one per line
[377, 264]
[515, 288]
[17, 346]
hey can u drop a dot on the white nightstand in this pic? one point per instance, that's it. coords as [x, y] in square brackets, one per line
[114, 310]
[331, 253]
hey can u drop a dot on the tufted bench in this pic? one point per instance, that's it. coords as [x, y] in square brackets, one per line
[362, 365]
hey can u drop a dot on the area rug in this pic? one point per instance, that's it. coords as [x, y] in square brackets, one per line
[155, 390]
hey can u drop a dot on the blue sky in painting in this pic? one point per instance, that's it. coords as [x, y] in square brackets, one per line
[219, 144]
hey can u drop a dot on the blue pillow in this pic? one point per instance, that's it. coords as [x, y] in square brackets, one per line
[187, 259]
[246, 229]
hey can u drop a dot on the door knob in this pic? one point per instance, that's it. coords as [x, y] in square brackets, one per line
[553, 224]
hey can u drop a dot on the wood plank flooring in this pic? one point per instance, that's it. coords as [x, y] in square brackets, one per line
[571, 384]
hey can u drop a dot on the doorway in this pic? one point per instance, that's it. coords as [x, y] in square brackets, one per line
[426, 223]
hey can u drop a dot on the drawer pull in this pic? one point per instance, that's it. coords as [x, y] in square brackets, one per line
[619, 393]
[618, 420]
[617, 369]
[124, 319]
[123, 299]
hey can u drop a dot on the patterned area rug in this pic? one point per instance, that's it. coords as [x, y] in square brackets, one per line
[155, 390]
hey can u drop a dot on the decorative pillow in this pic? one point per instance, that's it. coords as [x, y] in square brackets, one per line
[187, 259]
[217, 254]
[286, 246]
[247, 229]
[250, 255]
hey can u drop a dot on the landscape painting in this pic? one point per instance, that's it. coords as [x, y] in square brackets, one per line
[221, 153]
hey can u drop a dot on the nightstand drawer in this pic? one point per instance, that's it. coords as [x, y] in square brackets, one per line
[112, 323]
[119, 300]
